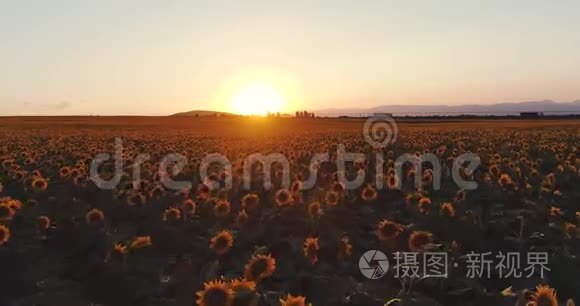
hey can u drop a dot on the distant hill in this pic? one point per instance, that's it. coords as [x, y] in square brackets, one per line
[547, 106]
[202, 113]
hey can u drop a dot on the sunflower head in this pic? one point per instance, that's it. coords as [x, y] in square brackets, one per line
[311, 250]
[42, 223]
[64, 172]
[345, 249]
[419, 239]
[388, 230]
[505, 180]
[39, 184]
[136, 198]
[369, 193]
[140, 242]
[447, 210]
[392, 182]
[424, 205]
[118, 252]
[188, 206]
[314, 210]
[571, 230]
[338, 187]
[460, 196]
[222, 242]
[242, 218]
[6, 212]
[291, 300]
[544, 296]
[250, 202]
[331, 198]
[283, 198]
[172, 214]
[215, 293]
[259, 267]
[555, 211]
[95, 216]
[4, 235]
[244, 292]
[222, 208]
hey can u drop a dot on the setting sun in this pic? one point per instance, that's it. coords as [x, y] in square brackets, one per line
[257, 99]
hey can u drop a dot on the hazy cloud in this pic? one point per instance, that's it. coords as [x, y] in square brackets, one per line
[60, 105]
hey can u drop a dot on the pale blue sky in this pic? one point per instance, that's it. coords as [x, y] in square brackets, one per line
[160, 57]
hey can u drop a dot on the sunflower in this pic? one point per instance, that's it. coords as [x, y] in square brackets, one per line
[314, 210]
[296, 186]
[259, 267]
[222, 242]
[447, 210]
[388, 230]
[505, 180]
[64, 172]
[244, 292]
[42, 223]
[215, 293]
[338, 187]
[80, 180]
[118, 252]
[203, 191]
[311, 249]
[555, 211]
[250, 202]
[369, 193]
[291, 300]
[571, 230]
[39, 184]
[392, 182]
[4, 234]
[345, 249]
[331, 198]
[460, 196]
[283, 198]
[6, 212]
[241, 285]
[544, 296]
[95, 216]
[157, 192]
[188, 206]
[424, 205]
[140, 242]
[136, 199]
[222, 208]
[242, 218]
[172, 214]
[419, 239]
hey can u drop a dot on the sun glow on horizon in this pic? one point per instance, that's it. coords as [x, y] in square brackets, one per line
[257, 98]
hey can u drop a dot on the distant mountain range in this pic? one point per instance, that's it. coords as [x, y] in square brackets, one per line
[547, 106]
[202, 113]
